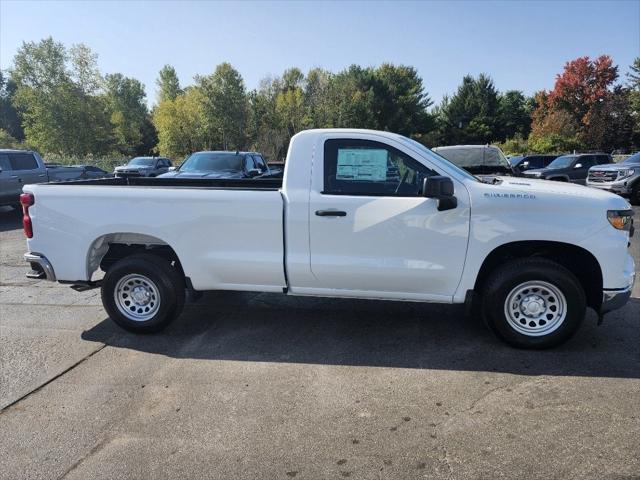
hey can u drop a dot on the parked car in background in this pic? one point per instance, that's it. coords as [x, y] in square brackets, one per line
[22, 167]
[570, 168]
[144, 167]
[91, 171]
[621, 178]
[222, 164]
[477, 159]
[523, 163]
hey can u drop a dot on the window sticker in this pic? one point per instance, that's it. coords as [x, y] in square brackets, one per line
[362, 164]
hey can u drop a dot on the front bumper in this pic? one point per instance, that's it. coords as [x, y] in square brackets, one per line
[619, 188]
[615, 299]
[41, 268]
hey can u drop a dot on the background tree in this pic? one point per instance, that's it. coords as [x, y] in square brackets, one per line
[126, 102]
[58, 113]
[225, 106]
[9, 116]
[514, 115]
[180, 124]
[470, 115]
[168, 84]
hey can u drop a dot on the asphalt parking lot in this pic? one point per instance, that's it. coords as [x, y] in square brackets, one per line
[263, 386]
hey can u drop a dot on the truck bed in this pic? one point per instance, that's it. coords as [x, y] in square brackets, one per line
[240, 184]
[226, 233]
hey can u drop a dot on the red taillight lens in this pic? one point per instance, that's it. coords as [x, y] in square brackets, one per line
[26, 200]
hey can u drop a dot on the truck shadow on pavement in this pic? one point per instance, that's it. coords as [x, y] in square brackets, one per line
[273, 328]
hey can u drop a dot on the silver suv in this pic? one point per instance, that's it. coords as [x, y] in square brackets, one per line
[621, 178]
[144, 167]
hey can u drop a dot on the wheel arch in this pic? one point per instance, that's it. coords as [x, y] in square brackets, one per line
[576, 259]
[107, 249]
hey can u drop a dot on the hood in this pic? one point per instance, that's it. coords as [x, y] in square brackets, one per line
[542, 188]
[614, 167]
[222, 175]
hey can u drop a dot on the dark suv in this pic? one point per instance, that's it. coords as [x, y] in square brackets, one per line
[522, 163]
[570, 168]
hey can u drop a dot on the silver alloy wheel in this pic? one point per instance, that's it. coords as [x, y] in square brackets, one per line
[137, 297]
[535, 308]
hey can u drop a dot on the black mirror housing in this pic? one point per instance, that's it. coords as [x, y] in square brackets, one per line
[440, 188]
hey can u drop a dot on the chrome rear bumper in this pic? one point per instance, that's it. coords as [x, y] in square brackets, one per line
[41, 268]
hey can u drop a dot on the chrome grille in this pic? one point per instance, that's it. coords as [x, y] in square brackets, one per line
[603, 176]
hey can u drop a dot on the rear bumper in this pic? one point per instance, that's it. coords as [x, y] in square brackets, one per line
[41, 268]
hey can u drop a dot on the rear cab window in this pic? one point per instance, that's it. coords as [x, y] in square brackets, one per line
[366, 167]
[23, 161]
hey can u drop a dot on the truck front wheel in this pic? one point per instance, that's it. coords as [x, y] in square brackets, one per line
[533, 303]
[143, 293]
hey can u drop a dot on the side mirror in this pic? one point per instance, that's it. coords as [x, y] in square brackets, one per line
[254, 172]
[578, 165]
[173, 169]
[525, 163]
[440, 188]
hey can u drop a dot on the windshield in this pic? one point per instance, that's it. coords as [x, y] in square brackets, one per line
[142, 161]
[562, 162]
[474, 156]
[212, 162]
[438, 158]
[633, 159]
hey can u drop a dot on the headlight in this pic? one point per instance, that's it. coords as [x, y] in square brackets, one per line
[625, 173]
[620, 219]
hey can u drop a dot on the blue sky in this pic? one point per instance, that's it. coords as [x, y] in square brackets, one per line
[522, 45]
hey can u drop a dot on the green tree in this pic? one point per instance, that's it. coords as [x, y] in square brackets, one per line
[126, 100]
[9, 115]
[401, 102]
[168, 84]
[58, 113]
[514, 115]
[225, 106]
[180, 124]
[469, 116]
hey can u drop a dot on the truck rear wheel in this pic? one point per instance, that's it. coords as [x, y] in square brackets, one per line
[533, 303]
[143, 293]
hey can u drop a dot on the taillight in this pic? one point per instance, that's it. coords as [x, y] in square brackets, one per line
[26, 200]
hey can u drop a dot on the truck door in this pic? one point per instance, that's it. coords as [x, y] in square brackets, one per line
[10, 187]
[26, 168]
[373, 234]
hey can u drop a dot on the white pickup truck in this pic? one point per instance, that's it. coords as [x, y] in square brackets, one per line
[359, 213]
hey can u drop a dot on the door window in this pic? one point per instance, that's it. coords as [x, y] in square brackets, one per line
[4, 162]
[23, 161]
[260, 163]
[365, 167]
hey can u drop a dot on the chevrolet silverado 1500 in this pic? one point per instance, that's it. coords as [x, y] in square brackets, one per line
[360, 214]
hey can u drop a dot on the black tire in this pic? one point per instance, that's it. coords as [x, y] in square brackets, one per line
[165, 282]
[634, 198]
[508, 279]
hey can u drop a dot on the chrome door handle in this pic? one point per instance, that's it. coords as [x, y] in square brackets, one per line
[331, 213]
